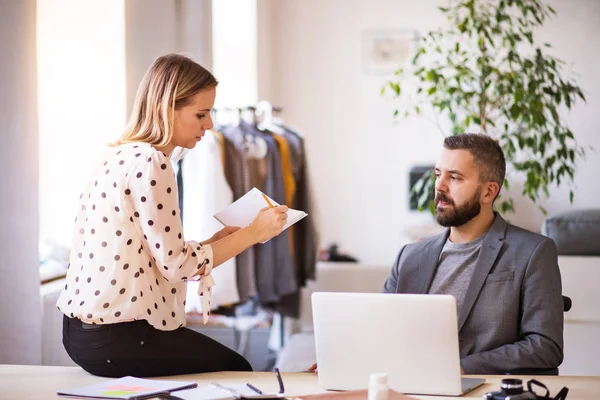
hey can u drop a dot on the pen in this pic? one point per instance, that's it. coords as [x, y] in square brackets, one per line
[254, 388]
[267, 200]
[280, 381]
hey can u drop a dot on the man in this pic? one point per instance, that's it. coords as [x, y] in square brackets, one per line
[505, 279]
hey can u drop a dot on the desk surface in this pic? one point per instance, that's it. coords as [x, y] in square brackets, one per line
[40, 382]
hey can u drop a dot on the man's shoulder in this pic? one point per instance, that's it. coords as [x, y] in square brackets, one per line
[517, 235]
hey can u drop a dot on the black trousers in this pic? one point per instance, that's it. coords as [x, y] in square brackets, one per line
[138, 349]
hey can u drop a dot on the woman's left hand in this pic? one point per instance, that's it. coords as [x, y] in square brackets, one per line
[228, 230]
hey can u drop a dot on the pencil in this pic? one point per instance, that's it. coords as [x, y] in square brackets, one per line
[280, 381]
[254, 388]
[268, 201]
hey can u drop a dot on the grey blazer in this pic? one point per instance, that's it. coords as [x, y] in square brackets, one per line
[512, 317]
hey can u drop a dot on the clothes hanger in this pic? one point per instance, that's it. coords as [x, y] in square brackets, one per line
[264, 110]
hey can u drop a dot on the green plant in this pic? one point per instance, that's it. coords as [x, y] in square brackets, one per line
[486, 73]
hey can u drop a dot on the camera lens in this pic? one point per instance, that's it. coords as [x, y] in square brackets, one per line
[512, 386]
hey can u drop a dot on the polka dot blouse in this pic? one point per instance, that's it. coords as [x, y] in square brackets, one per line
[129, 260]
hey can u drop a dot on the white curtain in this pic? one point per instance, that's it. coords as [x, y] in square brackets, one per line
[20, 326]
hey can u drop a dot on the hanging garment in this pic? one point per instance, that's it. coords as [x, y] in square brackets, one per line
[305, 234]
[206, 193]
[275, 275]
[237, 174]
[289, 183]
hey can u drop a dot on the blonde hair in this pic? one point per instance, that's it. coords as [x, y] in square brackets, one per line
[168, 84]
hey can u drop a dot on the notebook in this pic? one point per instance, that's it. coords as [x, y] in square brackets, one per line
[225, 391]
[128, 387]
[243, 211]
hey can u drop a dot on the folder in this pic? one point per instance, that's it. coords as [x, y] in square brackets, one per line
[129, 388]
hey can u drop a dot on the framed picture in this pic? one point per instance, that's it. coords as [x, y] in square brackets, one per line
[384, 51]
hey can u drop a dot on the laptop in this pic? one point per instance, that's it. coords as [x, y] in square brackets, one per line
[413, 338]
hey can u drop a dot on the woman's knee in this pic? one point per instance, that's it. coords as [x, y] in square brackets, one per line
[103, 368]
[244, 365]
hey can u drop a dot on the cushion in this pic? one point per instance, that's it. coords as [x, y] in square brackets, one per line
[575, 232]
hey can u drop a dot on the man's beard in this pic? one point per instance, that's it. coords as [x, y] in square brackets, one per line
[457, 216]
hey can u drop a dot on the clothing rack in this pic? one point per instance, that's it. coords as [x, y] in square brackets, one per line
[247, 108]
[282, 266]
[263, 111]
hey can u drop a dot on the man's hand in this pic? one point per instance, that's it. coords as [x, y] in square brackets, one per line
[228, 230]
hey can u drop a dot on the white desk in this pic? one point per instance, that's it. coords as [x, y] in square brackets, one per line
[42, 382]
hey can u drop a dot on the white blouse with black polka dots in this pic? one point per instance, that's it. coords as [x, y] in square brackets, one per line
[129, 260]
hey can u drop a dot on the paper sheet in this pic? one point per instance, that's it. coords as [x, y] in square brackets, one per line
[127, 387]
[212, 393]
[243, 211]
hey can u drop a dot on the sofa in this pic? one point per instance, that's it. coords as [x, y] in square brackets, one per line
[577, 237]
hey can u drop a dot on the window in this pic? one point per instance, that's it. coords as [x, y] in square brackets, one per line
[81, 101]
[234, 52]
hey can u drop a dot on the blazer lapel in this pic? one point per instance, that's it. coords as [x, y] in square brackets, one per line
[490, 248]
[429, 260]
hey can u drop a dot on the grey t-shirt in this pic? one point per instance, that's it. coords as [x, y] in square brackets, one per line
[455, 268]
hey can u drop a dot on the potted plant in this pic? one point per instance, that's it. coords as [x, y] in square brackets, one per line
[486, 73]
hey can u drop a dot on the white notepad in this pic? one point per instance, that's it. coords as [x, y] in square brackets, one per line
[129, 388]
[212, 392]
[243, 211]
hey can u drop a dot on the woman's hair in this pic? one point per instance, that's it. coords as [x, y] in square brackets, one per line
[168, 84]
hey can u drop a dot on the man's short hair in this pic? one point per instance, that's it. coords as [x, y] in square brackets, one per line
[487, 154]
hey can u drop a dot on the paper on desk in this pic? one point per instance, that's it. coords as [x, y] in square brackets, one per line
[212, 393]
[243, 211]
[127, 387]
[208, 393]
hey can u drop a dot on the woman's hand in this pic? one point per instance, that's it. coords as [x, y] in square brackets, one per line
[314, 368]
[228, 230]
[269, 222]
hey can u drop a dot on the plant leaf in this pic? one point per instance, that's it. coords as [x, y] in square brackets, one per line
[480, 70]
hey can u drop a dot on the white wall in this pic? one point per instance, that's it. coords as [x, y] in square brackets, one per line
[196, 30]
[20, 325]
[359, 158]
[234, 52]
[267, 42]
[151, 30]
[156, 27]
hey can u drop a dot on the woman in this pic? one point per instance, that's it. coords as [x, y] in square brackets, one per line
[125, 290]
